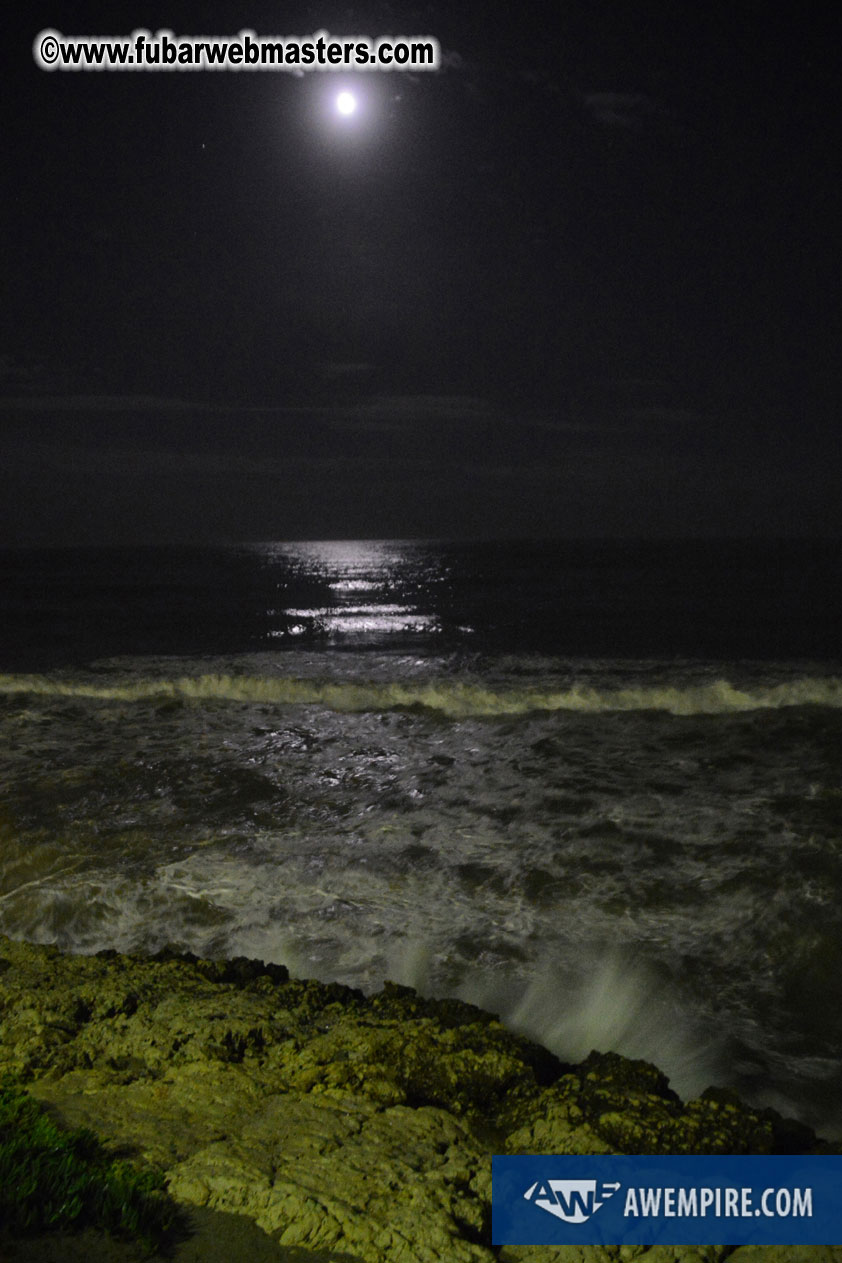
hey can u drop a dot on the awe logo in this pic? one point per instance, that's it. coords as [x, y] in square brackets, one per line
[574, 1201]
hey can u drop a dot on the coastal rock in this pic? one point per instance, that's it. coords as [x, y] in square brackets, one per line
[335, 1121]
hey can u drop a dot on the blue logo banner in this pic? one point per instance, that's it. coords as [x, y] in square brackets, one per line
[668, 1200]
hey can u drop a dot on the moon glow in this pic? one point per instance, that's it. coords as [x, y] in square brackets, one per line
[346, 103]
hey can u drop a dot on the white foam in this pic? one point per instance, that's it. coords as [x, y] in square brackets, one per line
[449, 697]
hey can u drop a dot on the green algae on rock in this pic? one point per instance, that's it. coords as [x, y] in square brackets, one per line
[337, 1121]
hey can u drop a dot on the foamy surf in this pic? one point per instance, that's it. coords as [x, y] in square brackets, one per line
[451, 698]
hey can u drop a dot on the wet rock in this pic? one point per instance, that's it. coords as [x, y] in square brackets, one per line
[358, 1126]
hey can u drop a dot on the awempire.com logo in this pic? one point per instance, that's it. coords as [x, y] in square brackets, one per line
[668, 1200]
[574, 1201]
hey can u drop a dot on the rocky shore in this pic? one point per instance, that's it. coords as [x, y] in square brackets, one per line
[344, 1126]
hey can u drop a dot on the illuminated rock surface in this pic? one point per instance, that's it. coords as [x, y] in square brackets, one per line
[345, 1126]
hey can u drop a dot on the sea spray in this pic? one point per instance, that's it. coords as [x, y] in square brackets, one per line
[607, 1002]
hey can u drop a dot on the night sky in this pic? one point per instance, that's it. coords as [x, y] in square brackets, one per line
[583, 281]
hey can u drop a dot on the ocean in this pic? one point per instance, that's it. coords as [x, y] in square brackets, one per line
[594, 786]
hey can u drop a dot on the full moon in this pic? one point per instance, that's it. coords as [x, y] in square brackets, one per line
[346, 103]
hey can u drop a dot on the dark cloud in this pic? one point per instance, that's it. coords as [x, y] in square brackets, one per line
[661, 415]
[91, 403]
[344, 372]
[403, 410]
[628, 110]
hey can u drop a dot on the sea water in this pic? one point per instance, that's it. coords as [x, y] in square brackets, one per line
[595, 787]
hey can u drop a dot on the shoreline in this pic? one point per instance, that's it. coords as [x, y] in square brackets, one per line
[342, 1125]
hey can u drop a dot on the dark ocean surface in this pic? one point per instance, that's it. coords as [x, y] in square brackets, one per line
[594, 786]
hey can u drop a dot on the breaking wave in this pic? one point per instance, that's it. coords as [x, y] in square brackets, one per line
[451, 698]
